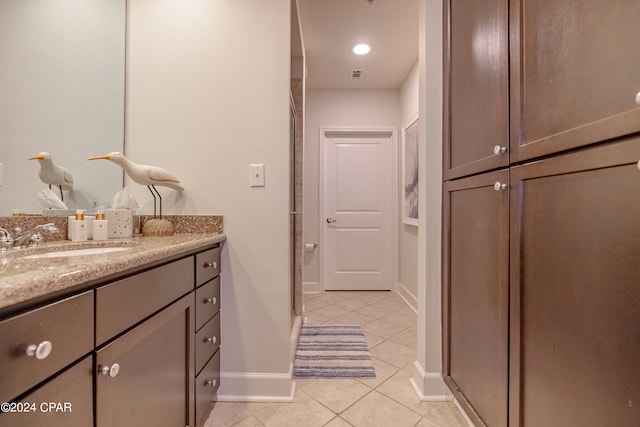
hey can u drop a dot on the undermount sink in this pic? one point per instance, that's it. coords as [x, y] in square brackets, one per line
[78, 252]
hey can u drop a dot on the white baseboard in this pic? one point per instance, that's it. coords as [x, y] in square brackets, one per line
[256, 387]
[407, 296]
[429, 386]
[311, 288]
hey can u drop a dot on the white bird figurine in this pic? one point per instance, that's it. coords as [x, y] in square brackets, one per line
[53, 174]
[144, 175]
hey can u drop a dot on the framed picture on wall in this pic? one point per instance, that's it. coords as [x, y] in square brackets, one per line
[410, 173]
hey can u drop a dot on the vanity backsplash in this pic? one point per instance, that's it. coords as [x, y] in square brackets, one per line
[182, 224]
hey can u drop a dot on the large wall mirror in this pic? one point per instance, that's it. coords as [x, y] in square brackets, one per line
[62, 76]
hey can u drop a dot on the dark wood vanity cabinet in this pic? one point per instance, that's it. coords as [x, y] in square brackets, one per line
[36, 347]
[145, 377]
[64, 401]
[43, 341]
[169, 354]
[135, 372]
[141, 350]
[207, 331]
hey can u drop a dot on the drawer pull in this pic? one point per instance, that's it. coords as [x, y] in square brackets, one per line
[499, 186]
[212, 340]
[499, 150]
[211, 264]
[213, 300]
[112, 370]
[211, 383]
[40, 351]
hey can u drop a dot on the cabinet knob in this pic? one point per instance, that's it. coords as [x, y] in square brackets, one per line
[40, 351]
[211, 383]
[331, 221]
[211, 265]
[112, 370]
[212, 340]
[499, 186]
[638, 98]
[499, 150]
[213, 300]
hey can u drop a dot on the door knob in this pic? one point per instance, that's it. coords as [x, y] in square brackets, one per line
[331, 221]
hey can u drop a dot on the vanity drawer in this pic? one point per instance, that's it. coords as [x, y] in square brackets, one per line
[207, 302]
[67, 325]
[207, 265]
[207, 383]
[207, 341]
[126, 302]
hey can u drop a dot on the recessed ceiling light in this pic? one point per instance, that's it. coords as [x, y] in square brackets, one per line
[361, 49]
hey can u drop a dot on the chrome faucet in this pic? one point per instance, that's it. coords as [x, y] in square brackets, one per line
[6, 241]
[33, 237]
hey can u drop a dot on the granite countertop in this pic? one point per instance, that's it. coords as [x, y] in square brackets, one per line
[25, 281]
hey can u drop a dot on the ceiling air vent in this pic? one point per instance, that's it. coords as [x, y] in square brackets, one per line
[356, 74]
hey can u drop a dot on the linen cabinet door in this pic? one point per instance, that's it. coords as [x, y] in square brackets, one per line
[574, 74]
[476, 82]
[575, 294]
[476, 302]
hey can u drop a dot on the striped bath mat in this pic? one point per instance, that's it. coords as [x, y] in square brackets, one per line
[332, 351]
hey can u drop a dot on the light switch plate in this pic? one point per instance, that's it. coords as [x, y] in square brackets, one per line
[256, 175]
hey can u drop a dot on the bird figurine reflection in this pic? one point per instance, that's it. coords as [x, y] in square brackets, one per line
[53, 174]
[145, 175]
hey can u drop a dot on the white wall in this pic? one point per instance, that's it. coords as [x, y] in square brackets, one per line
[336, 108]
[208, 94]
[408, 234]
[427, 375]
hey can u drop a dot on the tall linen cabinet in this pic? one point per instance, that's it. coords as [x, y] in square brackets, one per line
[541, 211]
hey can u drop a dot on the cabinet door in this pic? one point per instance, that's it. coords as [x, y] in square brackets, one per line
[575, 294]
[574, 73]
[153, 382]
[476, 99]
[476, 302]
[65, 401]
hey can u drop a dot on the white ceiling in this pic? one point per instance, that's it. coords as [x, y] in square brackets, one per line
[330, 29]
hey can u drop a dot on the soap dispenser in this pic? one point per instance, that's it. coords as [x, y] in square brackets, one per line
[100, 227]
[78, 226]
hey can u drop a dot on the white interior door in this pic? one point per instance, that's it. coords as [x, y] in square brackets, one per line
[356, 204]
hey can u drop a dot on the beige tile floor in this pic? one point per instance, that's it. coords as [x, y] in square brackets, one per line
[386, 401]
